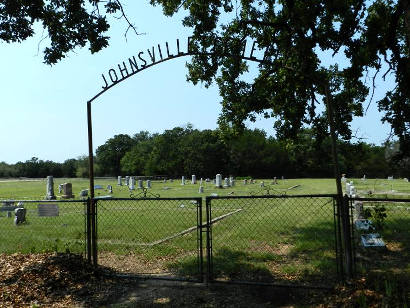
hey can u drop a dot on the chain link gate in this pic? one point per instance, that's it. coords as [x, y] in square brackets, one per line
[281, 240]
[155, 237]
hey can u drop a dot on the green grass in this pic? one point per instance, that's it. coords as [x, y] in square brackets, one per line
[262, 239]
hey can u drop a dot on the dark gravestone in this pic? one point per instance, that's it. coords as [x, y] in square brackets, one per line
[20, 215]
[48, 210]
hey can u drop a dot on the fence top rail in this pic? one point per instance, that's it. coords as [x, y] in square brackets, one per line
[44, 201]
[273, 196]
[380, 199]
[148, 199]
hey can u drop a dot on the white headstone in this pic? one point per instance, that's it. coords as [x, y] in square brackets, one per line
[201, 189]
[140, 184]
[131, 182]
[182, 180]
[344, 179]
[232, 182]
[218, 180]
[60, 188]
[245, 181]
[348, 189]
[119, 180]
[193, 180]
[352, 190]
[127, 180]
[226, 184]
[201, 181]
[148, 184]
[50, 188]
[262, 184]
[275, 180]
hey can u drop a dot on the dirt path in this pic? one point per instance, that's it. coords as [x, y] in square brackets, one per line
[157, 293]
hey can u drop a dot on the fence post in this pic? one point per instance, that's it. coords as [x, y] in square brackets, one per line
[208, 240]
[94, 230]
[88, 230]
[347, 237]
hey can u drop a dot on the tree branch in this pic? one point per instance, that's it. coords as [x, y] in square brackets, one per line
[130, 25]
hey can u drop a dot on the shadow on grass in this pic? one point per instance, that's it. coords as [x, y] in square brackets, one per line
[310, 258]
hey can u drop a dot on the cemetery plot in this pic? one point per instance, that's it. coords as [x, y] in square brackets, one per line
[154, 236]
[273, 239]
[58, 226]
[385, 244]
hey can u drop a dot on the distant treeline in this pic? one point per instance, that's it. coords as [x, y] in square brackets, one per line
[186, 151]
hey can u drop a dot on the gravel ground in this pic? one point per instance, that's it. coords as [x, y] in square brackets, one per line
[66, 280]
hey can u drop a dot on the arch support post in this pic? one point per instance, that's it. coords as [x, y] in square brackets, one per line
[91, 215]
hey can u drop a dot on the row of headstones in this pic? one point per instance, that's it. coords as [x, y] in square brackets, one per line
[130, 181]
[66, 189]
[390, 178]
[228, 182]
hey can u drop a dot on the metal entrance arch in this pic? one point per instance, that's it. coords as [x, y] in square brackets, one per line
[128, 68]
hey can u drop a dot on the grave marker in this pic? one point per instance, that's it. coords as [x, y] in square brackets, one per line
[218, 180]
[50, 188]
[48, 210]
[83, 193]
[131, 181]
[226, 184]
[20, 215]
[67, 191]
[109, 188]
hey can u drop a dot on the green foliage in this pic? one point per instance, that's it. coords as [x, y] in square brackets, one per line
[69, 24]
[185, 151]
[109, 154]
[292, 80]
[378, 214]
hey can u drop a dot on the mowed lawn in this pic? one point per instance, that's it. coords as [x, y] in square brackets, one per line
[262, 239]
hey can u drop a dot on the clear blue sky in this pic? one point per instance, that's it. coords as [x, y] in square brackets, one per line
[43, 108]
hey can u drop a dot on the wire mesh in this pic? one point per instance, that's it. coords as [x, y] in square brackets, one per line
[381, 234]
[47, 226]
[284, 240]
[156, 237]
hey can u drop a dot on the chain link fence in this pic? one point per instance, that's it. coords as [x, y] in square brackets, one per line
[381, 229]
[287, 240]
[43, 226]
[159, 237]
[273, 239]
